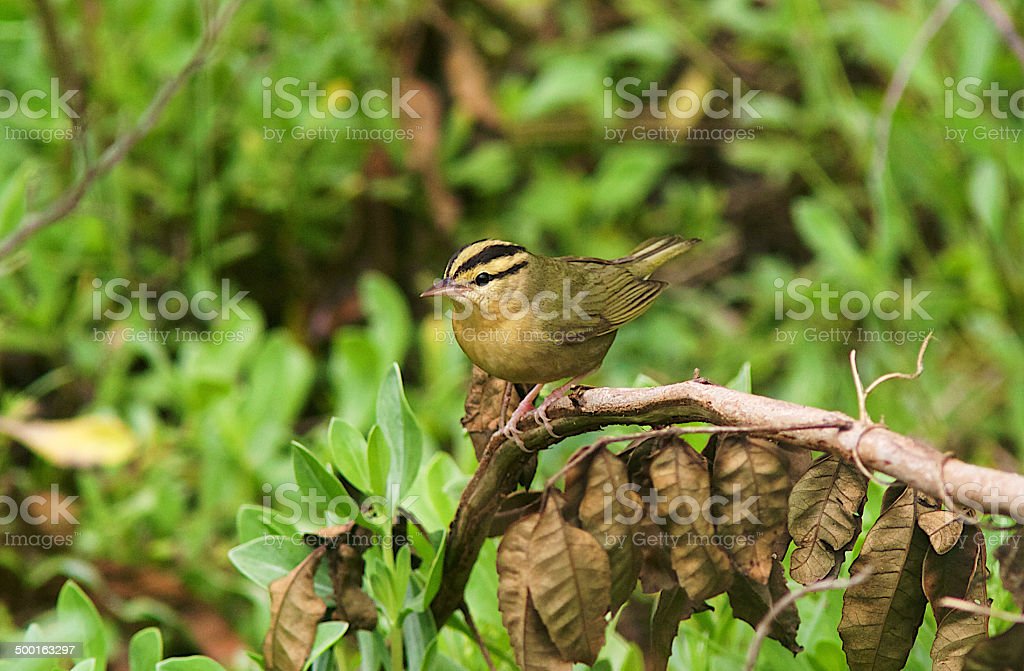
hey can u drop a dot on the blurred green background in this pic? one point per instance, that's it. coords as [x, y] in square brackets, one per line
[333, 240]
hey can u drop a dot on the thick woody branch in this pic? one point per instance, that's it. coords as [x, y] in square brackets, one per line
[878, 448]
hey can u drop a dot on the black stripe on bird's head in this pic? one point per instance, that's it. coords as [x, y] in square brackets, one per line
[478, 265]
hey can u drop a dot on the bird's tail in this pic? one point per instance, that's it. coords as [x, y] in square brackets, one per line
[651, 254]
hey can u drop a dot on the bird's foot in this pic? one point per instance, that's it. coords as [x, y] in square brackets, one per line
[541, 413]
[511, 428]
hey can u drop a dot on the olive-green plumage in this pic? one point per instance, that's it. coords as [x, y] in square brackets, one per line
[528, 318]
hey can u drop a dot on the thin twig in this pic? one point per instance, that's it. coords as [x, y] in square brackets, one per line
[1004, 24]
[903, 376]
[785, 602]
[66, 203]
[476, 635]
[862, 393]
[978, 609]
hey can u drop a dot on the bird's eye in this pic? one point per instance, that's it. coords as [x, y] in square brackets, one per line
[482, 279]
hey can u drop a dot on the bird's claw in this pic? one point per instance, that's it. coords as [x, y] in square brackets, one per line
[541, 415]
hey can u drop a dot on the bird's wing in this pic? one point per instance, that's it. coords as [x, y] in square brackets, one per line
[609, 300]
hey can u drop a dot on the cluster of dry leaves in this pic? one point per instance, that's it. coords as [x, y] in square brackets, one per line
[572, 558]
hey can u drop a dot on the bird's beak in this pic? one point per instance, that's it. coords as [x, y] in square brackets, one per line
[444, 287]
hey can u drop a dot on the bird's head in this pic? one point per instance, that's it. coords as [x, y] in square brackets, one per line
[482, 271]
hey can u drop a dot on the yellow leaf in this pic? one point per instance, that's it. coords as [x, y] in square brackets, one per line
[91, 440]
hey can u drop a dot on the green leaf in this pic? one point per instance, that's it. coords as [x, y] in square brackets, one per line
[626, 176]
[146, 649]
[420, 635]
[254, 521]
[193, 663]
[348, 450]
[388, 315]
[75, 607]
[327, 634]
[433, 583]
[354, 370]
[281, 375]
[316, 481]
[264, 560]
[85, 665]
[742, 380]
[378, 457]
[987, 190]
[400, 430]
[12, 201]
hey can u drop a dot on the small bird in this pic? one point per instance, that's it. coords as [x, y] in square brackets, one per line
[535, 319]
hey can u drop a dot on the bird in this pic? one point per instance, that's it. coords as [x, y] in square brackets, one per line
[531, 319]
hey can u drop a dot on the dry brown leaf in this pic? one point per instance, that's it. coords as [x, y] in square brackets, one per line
[512, 508]
[467, 80]
[748, 469]
[604, 513]
[751, 601]
[959, 573]
[656, 572]
[295, 611]
[90, 440]
[1011, 564]
[422, 153]
[824, 518]
[1004, 652]
[673, 607]
[532, 645]
[483, 408]
[569, 577]
[943, 528]
[881, 615]
[352, 604]
[680, 477]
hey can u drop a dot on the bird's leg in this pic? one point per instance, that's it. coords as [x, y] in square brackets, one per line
[525, 406]
[506, 398]
[542, 410]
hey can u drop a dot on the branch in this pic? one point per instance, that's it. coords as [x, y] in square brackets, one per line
[66, 203]
[879, 448]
